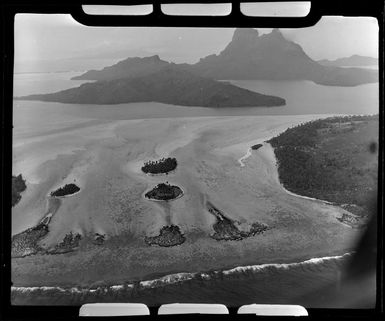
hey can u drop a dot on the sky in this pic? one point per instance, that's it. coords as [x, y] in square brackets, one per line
[57, 42]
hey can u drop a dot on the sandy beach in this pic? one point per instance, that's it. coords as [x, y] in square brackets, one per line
[104, 158]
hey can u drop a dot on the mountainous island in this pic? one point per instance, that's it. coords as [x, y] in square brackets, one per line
[248, 56]
[354, 60]
[169, 85]
[273, 57]
[130, 67]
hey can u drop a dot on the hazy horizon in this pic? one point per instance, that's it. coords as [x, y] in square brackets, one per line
[59, 43]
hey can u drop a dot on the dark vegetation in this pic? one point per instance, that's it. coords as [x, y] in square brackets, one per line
[256, 147]
[168, 236]
[132, 66]
[26, 242]
[331, 159]
[353, 221]
[70, 243]
[68, 189]
[225, 228]
[161, 166]
[99, 238]
[18, 186]
[164, 192]
[171, 85]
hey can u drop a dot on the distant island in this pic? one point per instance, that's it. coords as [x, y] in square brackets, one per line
[272, 57]
[18, 186]
[161, 166]
[169, 86]
[164, 192]
[354, 60]
[68, 189]
[248, 56]
[331, 159]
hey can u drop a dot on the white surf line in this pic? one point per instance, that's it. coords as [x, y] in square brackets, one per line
[184, 276]
[306, 197]
[286, 266]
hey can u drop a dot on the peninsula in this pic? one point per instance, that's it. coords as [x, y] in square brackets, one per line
[332, 159]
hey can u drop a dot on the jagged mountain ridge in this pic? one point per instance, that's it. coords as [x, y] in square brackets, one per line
[272, 57]
[251, 56]
[130, 67]
[248, 56]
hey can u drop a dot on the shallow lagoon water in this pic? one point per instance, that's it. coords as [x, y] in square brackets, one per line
[70, 129]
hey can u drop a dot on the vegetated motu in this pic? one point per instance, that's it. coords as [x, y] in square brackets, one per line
[164, 192]
[68, 189]
[18, 186]
[161, 166]
[256, 147]
[330, 159]
[225, 229]
[168, 236]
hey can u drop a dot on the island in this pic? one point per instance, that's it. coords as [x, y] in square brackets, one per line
[18, 186]
[354, 61]
[256, 147]
[168, 236]
[27, 242]
[68, 189]
[225, 228]
[161, 166]
[271, 56]
[70, 243]
[164, 192]
[171, 85]
[333, 159]
[248, 56]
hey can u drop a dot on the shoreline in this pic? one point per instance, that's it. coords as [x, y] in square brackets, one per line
[213, 249]
[307, 197]
[186, 276]
[264, 141]
[160, 174]
[155, 200]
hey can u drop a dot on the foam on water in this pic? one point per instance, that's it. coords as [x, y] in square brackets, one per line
[183, 276]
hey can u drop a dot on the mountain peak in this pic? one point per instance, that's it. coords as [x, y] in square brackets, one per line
[247, 34]
[154, 58]
[276, 33]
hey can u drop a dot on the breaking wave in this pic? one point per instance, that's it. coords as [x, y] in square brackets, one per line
[183, 276]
